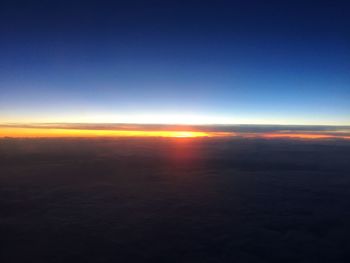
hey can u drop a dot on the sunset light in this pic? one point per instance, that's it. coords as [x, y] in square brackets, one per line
[169, 131]
[54, 132]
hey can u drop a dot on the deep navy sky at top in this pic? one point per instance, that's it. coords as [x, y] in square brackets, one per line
[249, 61]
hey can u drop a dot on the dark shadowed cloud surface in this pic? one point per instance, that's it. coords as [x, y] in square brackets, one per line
[174, 200]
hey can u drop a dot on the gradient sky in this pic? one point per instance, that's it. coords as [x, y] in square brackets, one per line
[276, 62]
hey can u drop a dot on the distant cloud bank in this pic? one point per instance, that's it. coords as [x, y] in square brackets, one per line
[157, 130]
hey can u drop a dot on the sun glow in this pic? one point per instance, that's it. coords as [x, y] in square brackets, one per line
[54, 132]
[186, 134]
[84, 131]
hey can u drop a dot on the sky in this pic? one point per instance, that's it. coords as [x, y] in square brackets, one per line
[187, 62]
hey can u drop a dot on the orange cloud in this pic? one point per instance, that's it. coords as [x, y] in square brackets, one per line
[175, 131]
[56, 132]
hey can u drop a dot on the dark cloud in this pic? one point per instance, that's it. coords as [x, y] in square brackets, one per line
[170, 200]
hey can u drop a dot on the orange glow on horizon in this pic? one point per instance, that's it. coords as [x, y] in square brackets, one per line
[54, 132]
[45, 132]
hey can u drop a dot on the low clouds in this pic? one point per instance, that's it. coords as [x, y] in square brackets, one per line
[115, 130]
[169, 200]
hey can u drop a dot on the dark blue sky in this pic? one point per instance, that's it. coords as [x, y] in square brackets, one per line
[285, 62]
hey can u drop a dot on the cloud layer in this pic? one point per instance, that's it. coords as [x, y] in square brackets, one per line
[152, 130]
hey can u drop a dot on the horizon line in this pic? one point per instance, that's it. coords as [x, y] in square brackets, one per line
[175, 124]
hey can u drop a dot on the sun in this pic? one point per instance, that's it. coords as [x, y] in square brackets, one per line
[188, 134]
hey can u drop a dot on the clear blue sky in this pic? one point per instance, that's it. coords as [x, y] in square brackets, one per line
[284, 62]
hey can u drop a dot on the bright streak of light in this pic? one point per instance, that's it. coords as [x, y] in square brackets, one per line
[46, 132]
[54, 132]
